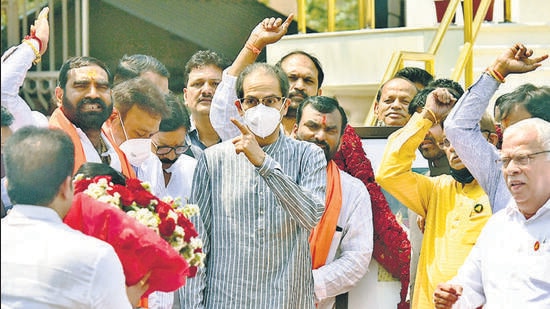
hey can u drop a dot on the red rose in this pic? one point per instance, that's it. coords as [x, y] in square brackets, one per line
[167, 227]
[82, 185]
[192, 271]
[143, 198]
[163, 209]
[190, 231]
[134, 184]
[126, 196]
[96, 179]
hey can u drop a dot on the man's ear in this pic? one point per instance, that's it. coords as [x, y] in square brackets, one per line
[375, 109]
[493, 139]
[239, 107]
[294, 130]
[185, 96]
[320, 91]
[58, 96]
[286, 104]
[66, 188]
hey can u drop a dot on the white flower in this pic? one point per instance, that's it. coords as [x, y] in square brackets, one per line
[190, 210]
[145, 216]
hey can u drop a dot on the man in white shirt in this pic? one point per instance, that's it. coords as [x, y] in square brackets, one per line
[169, 171]
[508, 266]
[342, 243]
[45, 263]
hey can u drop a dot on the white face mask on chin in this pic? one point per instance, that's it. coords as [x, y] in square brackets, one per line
[262, 120]
[136, 150]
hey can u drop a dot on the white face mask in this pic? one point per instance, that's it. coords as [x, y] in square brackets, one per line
[136, 150]
[262, 120]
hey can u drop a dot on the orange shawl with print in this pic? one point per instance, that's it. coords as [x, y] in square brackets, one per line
[58, 120]
[321, 236]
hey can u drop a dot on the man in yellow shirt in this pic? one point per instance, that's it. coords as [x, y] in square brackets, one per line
[455, 206]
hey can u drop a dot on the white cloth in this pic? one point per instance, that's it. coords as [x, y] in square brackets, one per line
[16, 61]
[179, 186]
[222, 108]
[352, 244]
[4, 194]
[91, 153]
[180, 182]
[46, 264]
[160, 300]
[509, 267]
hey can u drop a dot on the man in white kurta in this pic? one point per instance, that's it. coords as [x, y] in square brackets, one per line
[346, 228]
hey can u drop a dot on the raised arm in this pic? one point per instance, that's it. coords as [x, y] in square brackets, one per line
[16, 62]
[223, 108]
[462, 125]
[395, 173]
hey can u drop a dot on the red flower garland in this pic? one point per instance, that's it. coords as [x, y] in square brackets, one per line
[392, 248]
[134, 196]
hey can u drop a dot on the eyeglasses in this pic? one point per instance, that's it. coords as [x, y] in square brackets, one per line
[267, 101]
[164, 150]
[445, 143]
[520, 159]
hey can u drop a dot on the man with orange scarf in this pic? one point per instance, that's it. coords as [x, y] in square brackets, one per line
[85, 103]
[342, 243]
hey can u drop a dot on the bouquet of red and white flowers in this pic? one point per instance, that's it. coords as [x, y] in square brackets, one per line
[148, 233]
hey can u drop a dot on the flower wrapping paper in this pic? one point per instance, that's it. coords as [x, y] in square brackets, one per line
[138, 247]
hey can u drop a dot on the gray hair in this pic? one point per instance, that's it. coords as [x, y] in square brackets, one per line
[542, 127]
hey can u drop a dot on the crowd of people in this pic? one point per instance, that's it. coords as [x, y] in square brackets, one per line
[291, 211]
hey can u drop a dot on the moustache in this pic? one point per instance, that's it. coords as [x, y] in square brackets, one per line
[93, 101]
[168, 161]
[298, 92]
[319, 143]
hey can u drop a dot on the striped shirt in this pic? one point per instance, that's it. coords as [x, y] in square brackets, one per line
[258, 221]
[471, 146]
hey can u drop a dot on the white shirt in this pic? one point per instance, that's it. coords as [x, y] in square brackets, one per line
[16, 61]
[222, 108]
[91, 153]
[180, 183]
[352, 244]
[179, 186]
[46, 264]
[509, 267]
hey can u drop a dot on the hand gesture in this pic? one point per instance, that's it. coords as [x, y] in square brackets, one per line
[41, 29]
[446, 295]
[517, 59]
[270, 30]
[440, 101]
[247, 144]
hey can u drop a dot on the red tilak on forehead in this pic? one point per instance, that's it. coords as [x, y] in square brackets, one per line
[324, 120]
